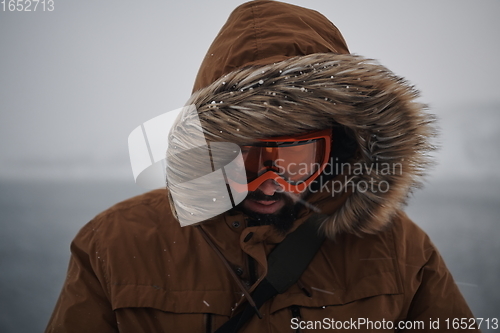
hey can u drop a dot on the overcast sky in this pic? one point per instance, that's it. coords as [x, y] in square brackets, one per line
[76, 81]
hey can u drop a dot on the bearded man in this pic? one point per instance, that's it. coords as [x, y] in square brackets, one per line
[286, 178]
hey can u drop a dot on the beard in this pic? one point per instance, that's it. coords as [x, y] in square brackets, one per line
[282, 220]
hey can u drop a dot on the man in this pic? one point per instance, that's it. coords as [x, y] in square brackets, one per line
[320, 135]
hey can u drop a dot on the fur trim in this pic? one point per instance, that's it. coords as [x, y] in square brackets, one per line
[319, 91]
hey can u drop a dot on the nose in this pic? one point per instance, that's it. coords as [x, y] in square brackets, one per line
[269, 187]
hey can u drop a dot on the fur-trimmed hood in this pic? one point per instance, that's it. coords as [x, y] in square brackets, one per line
[250, 91]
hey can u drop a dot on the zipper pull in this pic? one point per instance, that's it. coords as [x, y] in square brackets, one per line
[303, 288]
[296, 314]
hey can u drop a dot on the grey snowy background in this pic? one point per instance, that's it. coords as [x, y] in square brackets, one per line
[76, 81]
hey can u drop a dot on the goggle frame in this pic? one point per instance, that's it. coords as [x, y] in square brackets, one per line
[301, 186]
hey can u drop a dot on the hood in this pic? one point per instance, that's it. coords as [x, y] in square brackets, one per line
[264, 32]
[277, 69]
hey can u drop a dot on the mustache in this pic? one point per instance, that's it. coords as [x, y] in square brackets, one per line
[260, 196]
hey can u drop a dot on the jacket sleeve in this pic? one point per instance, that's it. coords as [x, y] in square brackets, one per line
[434, 294]
[83, 305]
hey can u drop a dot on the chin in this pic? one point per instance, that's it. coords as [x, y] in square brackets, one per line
[281, 216]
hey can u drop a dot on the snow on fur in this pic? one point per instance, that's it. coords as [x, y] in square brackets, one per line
[320, 91]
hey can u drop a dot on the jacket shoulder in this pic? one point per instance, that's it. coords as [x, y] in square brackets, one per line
[141, 221]
[143, 211]
[410, 238]
[428, 285]
[149, 202]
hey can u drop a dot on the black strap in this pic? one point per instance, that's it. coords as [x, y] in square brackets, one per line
[286, 263]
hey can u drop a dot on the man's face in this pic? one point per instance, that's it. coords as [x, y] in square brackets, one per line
[279, 171]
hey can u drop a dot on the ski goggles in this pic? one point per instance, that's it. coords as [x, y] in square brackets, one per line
[291, 161]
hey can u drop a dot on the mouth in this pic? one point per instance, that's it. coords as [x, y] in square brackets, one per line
[264, 206]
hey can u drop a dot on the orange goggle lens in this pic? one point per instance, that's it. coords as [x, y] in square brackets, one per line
[294, 162]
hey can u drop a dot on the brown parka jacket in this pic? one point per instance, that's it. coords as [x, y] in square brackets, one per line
[134, 269]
